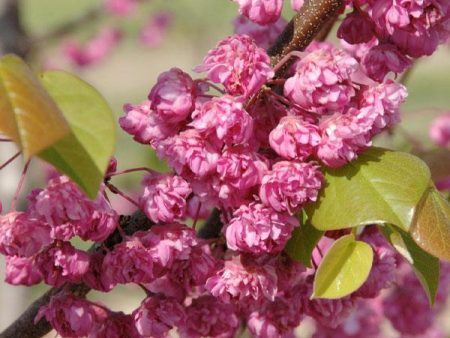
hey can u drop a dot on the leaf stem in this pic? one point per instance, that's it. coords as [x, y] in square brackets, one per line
[20, 185]
[116, 191]
[9, 161]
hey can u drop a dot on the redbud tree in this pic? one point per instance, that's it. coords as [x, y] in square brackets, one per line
[276, 210]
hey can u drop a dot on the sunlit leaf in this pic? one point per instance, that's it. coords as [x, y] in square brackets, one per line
[431, 224]
[84, 154]
[301, 245]
[28, 115]
[425, 265]
[344, 268]
[381, 186]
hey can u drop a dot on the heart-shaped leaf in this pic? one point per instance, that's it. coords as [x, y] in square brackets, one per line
[28, 115]
[344, 268]
[431, 224]
[381, 186]
[425, 265]
[301, 245]
[84, 154]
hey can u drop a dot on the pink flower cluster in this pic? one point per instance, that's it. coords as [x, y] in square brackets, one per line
[37, 241]
[264, 12]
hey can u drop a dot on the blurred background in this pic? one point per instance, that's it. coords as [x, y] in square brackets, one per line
[127, 72]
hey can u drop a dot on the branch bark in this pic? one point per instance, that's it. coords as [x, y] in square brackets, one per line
[299, 33]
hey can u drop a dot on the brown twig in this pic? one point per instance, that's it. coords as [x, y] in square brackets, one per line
[302, 29]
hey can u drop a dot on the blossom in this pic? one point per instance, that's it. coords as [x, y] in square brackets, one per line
[71, 316]
[22, 235]
[382, 59]
[145, 126]
[239, 169]
[356, 28]
[157, 315]
[297, 4]
[294, 138]
[95, 50]
[61, 263]
[322, 80]
[243, 282]
[120, 7]
[116, 325]
[189, 153]
[259, 229]
[21, 271]
[263, 35]
[173, 96]
[95, 276]
[225, 118]
[154, 31]
[208, 317]
[238, 64]
[164, 197]
[344, 136]
[440, 130]
[290, 185]
[261, 11]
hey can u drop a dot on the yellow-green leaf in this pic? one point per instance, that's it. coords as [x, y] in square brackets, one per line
[301, 245]
[381, 186]
[28, 115]
[431, 224]
[84, 154]
[426, 266]
[344, 268]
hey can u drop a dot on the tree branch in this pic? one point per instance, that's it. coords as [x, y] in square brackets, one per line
[302, 29]
[13, 38]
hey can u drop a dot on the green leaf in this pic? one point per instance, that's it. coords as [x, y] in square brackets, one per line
[28, 115]
[425, 265]
[344, 268]
[84, 154]
[303, 241]
[431, 224]
[381, 186]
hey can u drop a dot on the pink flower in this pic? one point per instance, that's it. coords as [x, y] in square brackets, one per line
[238, 64]
[297, 4]
[294, 138]
[440, 130]
[384, 266]
[259, 229]
[224, 118]
[154, 31]
[263, 35]
[364, 321]
[322, 81]
[95, 276]
[245, 283]
[21, 271]
[290, 185]
[95, 51]
[382, 103]
[327, 312]
[189, 153]
[276, 319]
[173, 96]
[356, 28]
[145, 126]
[164, 198]
[128, 262]
[208, 317]
[61, 263]
[116, 325]
[239, 169]
[120, 7]
[157, 315]
[382, 59]
[261, 11]
[22, 235]
[344, 136]
[407, 307]
[71, 316]
[168, 243]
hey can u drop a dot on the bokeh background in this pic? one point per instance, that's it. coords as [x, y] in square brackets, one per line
[127, 75]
